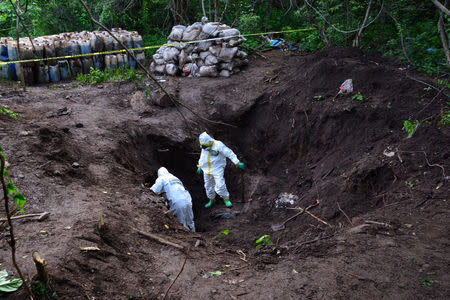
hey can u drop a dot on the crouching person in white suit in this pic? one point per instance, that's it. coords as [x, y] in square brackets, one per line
[180, 201]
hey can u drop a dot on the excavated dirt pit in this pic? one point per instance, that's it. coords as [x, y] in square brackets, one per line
[378, 230]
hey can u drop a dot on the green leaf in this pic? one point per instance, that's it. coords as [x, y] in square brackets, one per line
[3, 275]
[263, 238]
[19, 199]
[10, 188]
[8, 286]
[226, 232]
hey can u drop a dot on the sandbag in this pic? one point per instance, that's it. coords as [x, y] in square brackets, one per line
[228, 34]
[203, 46]
[176, 45]
[211, 60]
[227, 54]
[241, 54]
[208, 71]
[158, 59]
[236, 42]
[191, 33]
[177, 33]
[211, 29]
[204, 54]
[170, 54]
[182, 59]
[224, 73]
[171, 69]
[215, 50]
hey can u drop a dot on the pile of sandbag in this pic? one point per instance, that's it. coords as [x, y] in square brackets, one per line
[66, 45]
[219, 55]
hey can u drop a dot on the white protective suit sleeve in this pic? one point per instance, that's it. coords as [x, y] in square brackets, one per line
[158, 187]
[227, 152]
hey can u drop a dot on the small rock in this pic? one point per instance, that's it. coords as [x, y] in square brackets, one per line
[67, 97]
[75, 165]
[21, 176]
[100, 86]
[57, 173]
[24, 133]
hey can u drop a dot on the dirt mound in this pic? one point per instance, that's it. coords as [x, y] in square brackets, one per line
[382, 197]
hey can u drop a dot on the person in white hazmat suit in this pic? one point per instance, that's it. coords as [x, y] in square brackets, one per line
[212, 163]
[180, 201]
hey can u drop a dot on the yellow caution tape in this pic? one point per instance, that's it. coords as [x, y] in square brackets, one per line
[150, 47]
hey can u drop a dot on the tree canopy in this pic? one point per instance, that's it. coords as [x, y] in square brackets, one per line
[412, 31]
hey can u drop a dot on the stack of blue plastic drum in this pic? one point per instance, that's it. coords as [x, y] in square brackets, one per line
[65, 45]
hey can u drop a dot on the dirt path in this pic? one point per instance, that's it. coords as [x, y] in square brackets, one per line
[81, 151]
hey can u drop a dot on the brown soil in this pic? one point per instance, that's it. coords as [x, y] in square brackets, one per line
[291, 141]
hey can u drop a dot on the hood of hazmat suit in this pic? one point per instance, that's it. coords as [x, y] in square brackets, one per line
[180, 200]
[213, 155]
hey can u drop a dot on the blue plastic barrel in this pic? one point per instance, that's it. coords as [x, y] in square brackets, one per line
[64, 69]
[53, 72]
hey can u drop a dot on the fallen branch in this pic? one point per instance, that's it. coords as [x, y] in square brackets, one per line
[42, 216]
[160, 240]
[340, 209]
[178, 275]
[378, 223]
[318, 219]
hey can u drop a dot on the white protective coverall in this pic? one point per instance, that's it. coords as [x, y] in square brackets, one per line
[180, 200]
[212, 162]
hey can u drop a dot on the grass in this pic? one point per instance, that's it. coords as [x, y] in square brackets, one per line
[98, 76]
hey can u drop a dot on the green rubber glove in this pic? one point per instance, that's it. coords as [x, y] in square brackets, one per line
[241, 165]
[199, 171]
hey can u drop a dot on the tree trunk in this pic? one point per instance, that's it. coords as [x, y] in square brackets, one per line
[443, 35]
[357, 40]
[216, 11]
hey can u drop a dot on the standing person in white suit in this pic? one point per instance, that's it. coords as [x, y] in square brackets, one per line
[180, 201]
[212, 163]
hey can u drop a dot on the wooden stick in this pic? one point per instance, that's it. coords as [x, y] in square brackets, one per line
[41, 216]
[348, 219]
[178, 275]
[318, 219]
[377, 223]
[160, 239]
[41, 267]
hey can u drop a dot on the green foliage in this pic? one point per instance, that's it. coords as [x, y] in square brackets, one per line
[7, 112]
[445, 119]
[225, 232]
[119, 74]
[358, 97]
[8, 285]
[426, 282]
[263, 240]
[318, 97]
[409, 127]
[414, 22]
